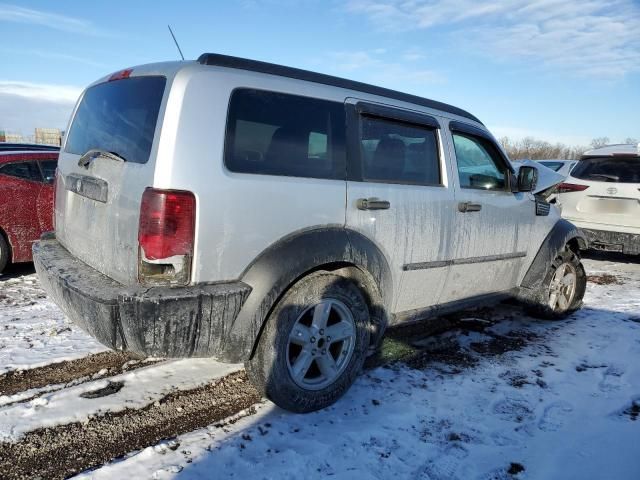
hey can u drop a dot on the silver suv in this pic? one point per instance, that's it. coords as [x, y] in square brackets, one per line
[253, 212]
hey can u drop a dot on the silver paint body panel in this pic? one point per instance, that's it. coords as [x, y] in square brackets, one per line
[241, 215]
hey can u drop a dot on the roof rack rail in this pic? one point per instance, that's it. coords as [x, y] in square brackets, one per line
[228, 61]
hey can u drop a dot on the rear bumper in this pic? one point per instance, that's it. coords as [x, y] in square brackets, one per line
[150, 321]
[628, 243]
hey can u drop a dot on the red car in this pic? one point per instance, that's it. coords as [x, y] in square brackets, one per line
[26, 201]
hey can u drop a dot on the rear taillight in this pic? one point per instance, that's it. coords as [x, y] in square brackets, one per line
[166, 236]
[571, 187]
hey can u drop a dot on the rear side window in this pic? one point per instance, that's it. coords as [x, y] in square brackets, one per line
[398, 152]
[479, 164]
[280, 134]
[608, 169]
[48, 168]
[24, 170]
[118, 117]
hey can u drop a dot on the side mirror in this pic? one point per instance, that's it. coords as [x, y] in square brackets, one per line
[527, 178]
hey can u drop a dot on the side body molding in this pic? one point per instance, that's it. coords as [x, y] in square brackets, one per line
[295, 255]
[562, 233]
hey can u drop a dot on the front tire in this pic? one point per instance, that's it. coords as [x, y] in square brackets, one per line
[313, 345]
[563, 288]
[5, 253]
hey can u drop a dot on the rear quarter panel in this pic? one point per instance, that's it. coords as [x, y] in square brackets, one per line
[19, 216]
[239, 215]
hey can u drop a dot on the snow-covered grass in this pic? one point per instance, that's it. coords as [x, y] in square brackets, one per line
[559, 408]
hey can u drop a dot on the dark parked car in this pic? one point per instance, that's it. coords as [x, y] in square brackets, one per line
[26, 201]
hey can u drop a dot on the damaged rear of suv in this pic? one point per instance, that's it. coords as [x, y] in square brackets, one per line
[256, 213]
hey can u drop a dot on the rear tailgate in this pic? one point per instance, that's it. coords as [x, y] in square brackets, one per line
[98, 200]
[613, 193]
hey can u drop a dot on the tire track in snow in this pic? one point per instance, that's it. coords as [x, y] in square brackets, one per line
[82, 445]
[130, 390]
[16, 381]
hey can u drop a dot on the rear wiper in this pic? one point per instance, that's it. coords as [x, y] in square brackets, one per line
[610, 178]
[91, 155]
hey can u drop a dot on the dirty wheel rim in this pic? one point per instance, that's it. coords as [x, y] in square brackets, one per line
[321, 344]
[562, 289]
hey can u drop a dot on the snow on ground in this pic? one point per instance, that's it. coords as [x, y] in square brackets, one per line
[135, 389]
[565, 406]
[33, 330]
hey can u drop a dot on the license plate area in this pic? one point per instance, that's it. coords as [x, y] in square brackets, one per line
[88, 187]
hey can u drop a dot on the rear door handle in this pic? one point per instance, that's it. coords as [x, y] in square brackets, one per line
[372, 203]
[466, 207]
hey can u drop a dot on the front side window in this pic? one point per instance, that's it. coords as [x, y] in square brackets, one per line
[273, 133]
[608, 169]
[398, 152]
[24, 170]
[478, 164]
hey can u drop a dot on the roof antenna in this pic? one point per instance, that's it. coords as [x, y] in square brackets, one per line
[176, 41]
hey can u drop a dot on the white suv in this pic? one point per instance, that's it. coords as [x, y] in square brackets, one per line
[252, 212]
[602, 196]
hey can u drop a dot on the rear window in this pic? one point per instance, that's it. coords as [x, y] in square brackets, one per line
[118, 117]
[273, 133]
[608, 169]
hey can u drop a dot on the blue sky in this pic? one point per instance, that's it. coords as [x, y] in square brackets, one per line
[557, 70]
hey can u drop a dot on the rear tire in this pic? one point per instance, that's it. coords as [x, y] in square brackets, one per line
[313, 344]
[563, 288]
[5, 253]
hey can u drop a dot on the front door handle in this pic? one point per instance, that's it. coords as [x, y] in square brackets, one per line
[466, 207]
[372, 203]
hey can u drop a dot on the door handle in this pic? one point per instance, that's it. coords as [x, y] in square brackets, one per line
[466, 207]
[372, 203]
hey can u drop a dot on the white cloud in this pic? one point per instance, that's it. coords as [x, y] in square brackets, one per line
[52, 56]
[379, 66]
[25, 105]
[40, 91]
[593, 37]
[413, 55]
[17, 14]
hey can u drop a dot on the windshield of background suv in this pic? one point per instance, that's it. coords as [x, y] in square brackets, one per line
[555, 166]
[118, 117]
[608, 169]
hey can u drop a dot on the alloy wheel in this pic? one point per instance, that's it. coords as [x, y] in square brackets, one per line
[321, 344]
[562, 288]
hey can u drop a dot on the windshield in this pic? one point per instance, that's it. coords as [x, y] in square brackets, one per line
[608, 169]
[553, 165]
[118, 117]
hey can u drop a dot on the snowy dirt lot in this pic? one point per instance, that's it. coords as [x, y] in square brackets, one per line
[497, 395]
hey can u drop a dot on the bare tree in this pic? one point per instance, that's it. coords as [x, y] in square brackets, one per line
[534, 149]
[600, 142]
[631, 141]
